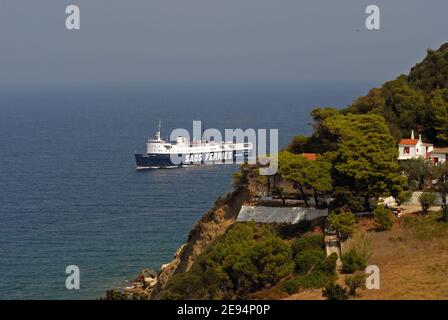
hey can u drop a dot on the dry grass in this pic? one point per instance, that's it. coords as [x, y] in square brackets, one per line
[412, 257]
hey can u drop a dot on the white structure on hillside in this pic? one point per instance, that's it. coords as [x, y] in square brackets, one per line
[413, 148]
[416, 148]
[439, 155]
[289, 215]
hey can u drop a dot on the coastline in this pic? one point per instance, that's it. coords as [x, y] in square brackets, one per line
[149, 283]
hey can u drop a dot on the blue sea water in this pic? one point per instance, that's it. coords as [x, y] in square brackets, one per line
[69, 191]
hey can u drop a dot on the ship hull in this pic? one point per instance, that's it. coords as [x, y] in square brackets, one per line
[156, 160]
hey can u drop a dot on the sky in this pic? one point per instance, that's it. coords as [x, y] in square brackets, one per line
[214, 41]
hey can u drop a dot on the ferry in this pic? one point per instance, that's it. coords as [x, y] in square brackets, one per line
[182, 153]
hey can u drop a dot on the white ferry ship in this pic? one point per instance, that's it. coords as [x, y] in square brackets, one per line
[160, 153]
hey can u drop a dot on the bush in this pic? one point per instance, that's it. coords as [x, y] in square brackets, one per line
[310, 256]
[314, 269]
[358, 280]
[114, 295]
[330, 264]
[444, 213]
[290, 286]
[316, 279]
[248, 257]
[315, 241]
[427, 200]
[404, 197]
[383, 218]
[357, 255]
[342, 222]
[335, 292]
[352, 261]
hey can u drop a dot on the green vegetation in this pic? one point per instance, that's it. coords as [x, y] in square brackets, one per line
[383, 218]
[439, 115]
[280, 192]
[420, 173]
[306, 174]
[247, 258]
[313, 269]
[432, 73]
[418, 101]
[441, 185]
[356, 256]
[114, 295]
[357, 163]
[250, 257]
[366, 156]
[358, 144]
[354, 282]
[343, 222]
[426, 228]
[427, 200]
[444, 213]
[358, 159]
[335, 292]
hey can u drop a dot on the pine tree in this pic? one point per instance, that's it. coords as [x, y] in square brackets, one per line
[439, 108]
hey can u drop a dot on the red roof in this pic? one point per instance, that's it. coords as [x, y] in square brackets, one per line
[310, 156]
[408, 141]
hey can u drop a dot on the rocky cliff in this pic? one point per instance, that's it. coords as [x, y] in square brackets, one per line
[212, 225]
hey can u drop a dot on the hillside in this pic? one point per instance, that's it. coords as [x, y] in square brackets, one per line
[432, 72]
[355, 163]
[412, 258]
[417, 101]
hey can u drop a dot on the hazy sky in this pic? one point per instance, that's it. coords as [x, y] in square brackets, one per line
[214, 41]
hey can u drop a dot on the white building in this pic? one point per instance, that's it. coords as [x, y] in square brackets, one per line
[438, 155]
[416, 148]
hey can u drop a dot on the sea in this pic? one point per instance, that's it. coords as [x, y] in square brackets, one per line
[69, 190]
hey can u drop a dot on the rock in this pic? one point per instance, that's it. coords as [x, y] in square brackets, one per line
[149, 273]
[212, 225]
[150, 282]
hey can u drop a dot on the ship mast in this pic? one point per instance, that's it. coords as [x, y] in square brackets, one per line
[157, 137]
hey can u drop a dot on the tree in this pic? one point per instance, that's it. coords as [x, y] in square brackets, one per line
[306, 174]
[321, 140]
[280, 192]
[298, 144]
[419, 171]
[358, 280]
[431, 72]
[427, 200]
[318, 177]
[291, 167]
[343, 222]
[344, 198]
[405, 106]
[383, 218]
[441, 186]
[366, 156]
[439, 117]
[372, 102]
